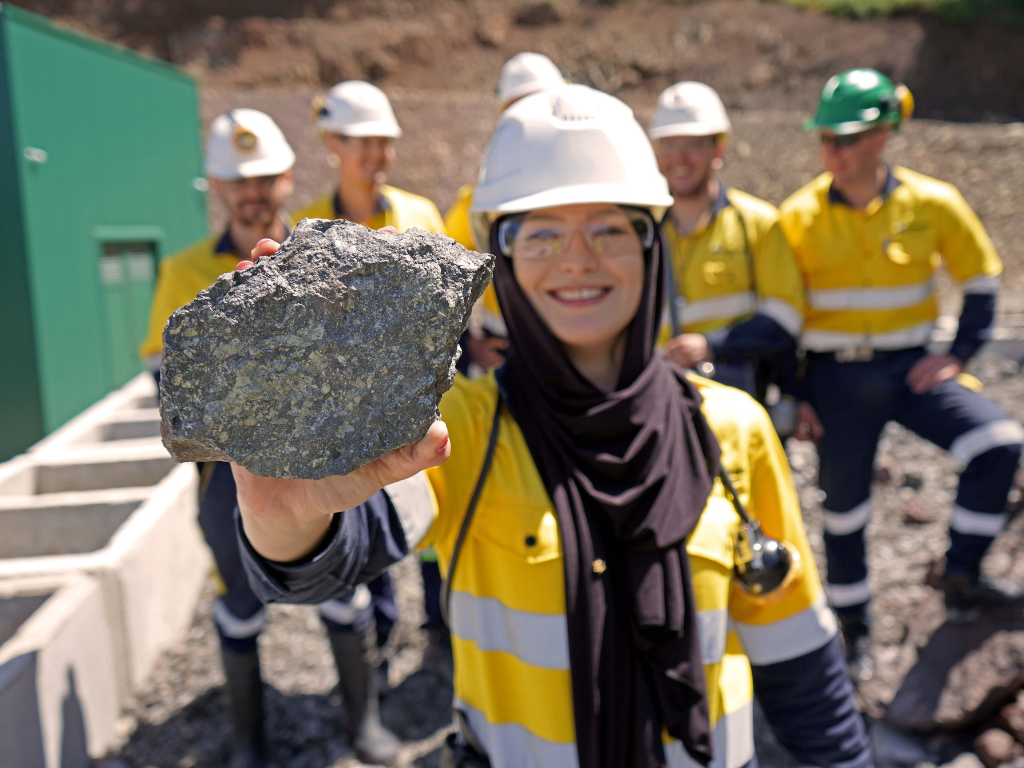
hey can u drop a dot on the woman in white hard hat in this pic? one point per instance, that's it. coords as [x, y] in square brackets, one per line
[589, 505]
[358, 125]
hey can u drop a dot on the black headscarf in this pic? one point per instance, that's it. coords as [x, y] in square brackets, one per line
[629, 472]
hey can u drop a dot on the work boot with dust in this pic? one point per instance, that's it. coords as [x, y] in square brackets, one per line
[244, 690]
[359, 685]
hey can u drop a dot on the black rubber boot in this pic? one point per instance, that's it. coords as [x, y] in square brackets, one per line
[244, 690]
[856, 634]
[967, 592]
[359, 685]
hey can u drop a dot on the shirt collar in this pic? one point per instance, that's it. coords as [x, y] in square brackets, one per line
[227, 246]
[720, 202]
[891, 182]
[339, 210]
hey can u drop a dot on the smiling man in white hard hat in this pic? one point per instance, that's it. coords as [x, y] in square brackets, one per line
[358, 126]
[249, 167]
[737, 297]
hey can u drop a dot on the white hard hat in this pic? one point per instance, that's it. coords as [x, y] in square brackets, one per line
[244, 143]
[574, 145]
[689, 109]
[526, 73]
[356, 108]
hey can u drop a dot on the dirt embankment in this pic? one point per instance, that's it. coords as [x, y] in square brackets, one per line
[759, 55]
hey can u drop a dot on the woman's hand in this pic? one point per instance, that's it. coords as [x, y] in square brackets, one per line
[284, 520]
[808, 425]
[688, 350]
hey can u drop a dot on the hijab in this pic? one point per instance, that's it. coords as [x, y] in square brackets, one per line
[629, 472]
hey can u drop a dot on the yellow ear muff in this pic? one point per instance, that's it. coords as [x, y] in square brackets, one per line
[906, 99]
[317, 107]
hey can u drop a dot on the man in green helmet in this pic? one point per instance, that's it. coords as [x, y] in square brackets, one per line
[868, 239]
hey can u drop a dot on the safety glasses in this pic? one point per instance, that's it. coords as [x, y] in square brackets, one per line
[842, 142]
[610, 236]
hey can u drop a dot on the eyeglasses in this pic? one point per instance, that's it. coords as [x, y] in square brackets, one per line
[674, 145]
[614, 235]
[842, 142]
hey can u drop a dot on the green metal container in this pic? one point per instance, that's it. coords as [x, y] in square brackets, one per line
[100, 176]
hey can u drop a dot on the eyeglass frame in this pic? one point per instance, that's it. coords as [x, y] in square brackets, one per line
[633, 213]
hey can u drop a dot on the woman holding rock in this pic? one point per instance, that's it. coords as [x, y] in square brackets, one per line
[591, 494]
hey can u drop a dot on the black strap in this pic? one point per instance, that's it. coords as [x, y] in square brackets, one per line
[727, 482]
[446, 586]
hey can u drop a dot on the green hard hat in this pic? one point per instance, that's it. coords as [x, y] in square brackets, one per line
[859, 99]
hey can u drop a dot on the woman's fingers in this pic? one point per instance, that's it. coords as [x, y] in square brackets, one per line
[392, 230]
[265, 247]
[244, 264]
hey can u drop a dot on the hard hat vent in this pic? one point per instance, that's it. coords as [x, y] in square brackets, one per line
[574, 107]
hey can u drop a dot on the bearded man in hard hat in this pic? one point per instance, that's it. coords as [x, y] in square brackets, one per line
[357, 126]
[736, 300]
[524, 74]
[249, 167]
[867, 239]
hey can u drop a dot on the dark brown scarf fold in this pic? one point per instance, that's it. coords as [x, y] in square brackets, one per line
[628, 472]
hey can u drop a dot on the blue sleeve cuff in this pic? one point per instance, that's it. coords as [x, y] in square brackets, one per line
[809, 703]
[760, 336]
[976, 318]
[360, 544]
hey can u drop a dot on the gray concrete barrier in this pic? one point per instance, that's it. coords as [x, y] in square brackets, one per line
[59, 699]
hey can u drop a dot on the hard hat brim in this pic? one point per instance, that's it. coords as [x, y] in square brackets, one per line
[615, 194]
[847, 128]
[362, 130]
[688, 129]
[271, 166]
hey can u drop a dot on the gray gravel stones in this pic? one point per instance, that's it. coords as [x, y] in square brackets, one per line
[319, 359]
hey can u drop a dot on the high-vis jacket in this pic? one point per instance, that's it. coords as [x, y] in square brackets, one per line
[507, 609]
[180, 278]
[869, 272]
[401, 210]
[736, 267]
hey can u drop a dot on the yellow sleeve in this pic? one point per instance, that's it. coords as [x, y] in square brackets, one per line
[963, 242]
[456, 221]
[173, 290]
[795, 619]
[780, 286]
[431, 219]
[467, 409]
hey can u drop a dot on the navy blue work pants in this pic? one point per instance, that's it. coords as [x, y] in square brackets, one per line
[854, 401]
[239, 615]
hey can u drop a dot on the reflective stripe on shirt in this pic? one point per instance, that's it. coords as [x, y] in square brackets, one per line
[728, 307]
[905, 338]
[788, 638]
[783, 313]
[511, 745]
[540, 639]
[854, 299]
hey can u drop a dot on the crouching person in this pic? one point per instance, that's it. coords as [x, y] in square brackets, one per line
[586, 500]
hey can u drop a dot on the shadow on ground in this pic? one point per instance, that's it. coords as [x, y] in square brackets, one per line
[303, 731]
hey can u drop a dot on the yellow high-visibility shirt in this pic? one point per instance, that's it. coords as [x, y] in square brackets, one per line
[401, 210]
[180, 278]
[456, 221]
[737, 265]
[868, 272]
[507, 609]
[487, 313]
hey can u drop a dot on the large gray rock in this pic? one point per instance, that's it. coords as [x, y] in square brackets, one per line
[319, 359]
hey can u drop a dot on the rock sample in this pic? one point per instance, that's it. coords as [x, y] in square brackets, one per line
[319, 359]
[965, 673]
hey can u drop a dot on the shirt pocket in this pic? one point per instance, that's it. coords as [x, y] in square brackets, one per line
[526, 530]
[909, 242]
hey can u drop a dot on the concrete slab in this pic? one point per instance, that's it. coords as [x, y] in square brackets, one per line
[150, 564]
[58, 695]
[116, 465]
[88, 427]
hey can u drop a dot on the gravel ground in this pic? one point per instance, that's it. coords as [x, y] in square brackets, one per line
[178, 721]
